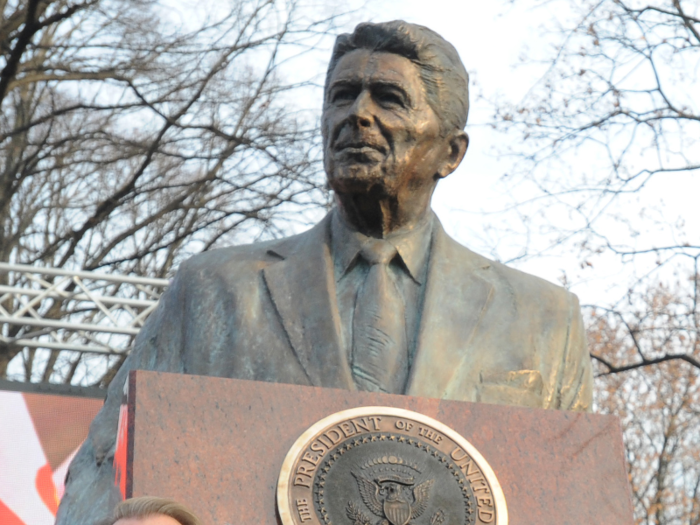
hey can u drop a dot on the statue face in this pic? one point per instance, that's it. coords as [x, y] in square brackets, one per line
[379, 132]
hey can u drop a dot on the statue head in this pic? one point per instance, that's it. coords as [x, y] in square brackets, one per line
[395, 105]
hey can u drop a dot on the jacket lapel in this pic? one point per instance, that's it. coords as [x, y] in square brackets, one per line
[456, 299]
[303, 292]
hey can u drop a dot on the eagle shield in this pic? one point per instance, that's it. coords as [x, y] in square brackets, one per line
[397, 512]
[397, 500]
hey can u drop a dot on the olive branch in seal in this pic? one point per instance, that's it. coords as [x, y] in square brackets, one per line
[356, 515]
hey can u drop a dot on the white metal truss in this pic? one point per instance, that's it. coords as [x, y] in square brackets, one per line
[55, 309]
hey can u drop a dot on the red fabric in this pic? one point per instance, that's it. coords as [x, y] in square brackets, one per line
[46, 488]
[7, 517]
[120, 452]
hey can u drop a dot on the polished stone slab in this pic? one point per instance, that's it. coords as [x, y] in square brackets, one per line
[218, 445]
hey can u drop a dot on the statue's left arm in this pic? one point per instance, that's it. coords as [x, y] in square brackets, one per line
[90, 491]
[576, 385]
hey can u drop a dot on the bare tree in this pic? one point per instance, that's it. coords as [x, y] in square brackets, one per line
[614, 115]
[659, 403]
[133, 135]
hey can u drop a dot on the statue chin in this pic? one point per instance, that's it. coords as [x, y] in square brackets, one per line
[358, 178]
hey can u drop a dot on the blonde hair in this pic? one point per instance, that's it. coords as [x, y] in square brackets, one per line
[151, 506]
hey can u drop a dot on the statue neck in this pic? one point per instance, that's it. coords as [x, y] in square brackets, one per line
[381, 216]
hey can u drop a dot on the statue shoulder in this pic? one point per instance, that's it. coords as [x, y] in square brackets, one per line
[257, 255]
[233, 260]
[528, 284]
[510, 281]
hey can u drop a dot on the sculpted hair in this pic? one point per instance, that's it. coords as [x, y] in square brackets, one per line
[152, 506]
[443, 74]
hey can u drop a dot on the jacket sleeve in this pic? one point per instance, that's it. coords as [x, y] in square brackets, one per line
[90, 491]
[576, 386]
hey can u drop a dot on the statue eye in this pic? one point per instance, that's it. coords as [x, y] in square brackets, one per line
[390, 97]
[344, 95]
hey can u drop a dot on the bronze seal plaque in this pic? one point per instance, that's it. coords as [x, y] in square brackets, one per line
[387, 466]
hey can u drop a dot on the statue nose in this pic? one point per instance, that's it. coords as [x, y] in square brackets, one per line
[363, 122]
[361, 112]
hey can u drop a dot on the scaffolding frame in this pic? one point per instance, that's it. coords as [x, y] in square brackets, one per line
[73, 311]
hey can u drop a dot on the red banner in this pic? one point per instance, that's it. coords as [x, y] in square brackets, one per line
[39, 435]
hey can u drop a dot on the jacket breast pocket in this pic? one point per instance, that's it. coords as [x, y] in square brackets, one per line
[520, 388]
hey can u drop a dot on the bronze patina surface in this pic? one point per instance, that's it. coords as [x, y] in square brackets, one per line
[376, 297]
[387, 466]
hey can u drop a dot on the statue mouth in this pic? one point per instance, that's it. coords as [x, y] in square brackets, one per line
[360, 147]
[360, 152]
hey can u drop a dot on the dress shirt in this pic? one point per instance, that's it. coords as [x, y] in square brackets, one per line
[408, 270]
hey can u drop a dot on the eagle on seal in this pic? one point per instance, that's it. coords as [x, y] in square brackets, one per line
[394, 498]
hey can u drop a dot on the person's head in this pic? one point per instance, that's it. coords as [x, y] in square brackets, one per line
[395, 105]
[150, 510]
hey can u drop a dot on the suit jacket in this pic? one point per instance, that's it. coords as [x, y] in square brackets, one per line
[267, 312]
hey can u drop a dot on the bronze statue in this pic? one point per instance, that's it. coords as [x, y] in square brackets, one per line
[376, 296]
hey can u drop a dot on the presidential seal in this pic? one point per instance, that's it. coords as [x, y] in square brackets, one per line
[387, 466]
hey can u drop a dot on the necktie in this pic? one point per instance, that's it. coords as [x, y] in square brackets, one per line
[380, 353]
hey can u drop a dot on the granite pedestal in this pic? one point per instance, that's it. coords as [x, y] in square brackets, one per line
[218, 445]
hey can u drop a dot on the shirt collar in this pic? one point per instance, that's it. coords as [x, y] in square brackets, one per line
[412, 246]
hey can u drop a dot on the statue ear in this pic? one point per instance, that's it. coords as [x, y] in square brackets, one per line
[457, 144]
